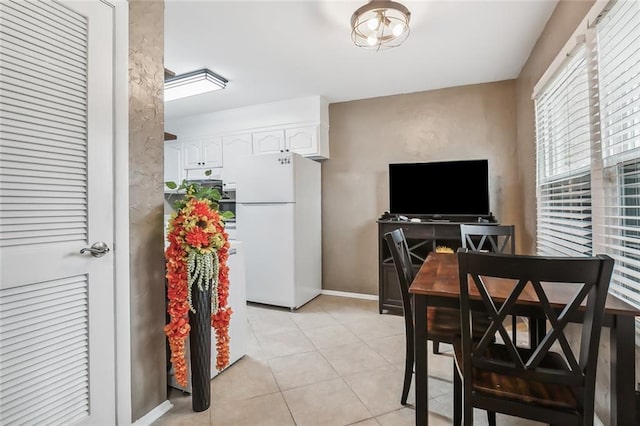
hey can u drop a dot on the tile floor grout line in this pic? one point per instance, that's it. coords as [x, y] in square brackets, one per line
[280, 392]
[330, 312]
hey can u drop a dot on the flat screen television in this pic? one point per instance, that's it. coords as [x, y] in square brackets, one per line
[439, 188]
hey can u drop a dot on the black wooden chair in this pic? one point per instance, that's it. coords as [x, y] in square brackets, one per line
[443, 323]
[551, 386]
[492, 238]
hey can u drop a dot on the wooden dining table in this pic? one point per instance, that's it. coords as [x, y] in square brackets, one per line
[437, 284]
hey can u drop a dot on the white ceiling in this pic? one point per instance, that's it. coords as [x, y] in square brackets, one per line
[276, 50]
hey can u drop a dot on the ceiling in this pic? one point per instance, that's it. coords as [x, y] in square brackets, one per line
[276, 50]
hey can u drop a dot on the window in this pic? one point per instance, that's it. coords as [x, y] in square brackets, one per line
[588, 150]
[618, 45]
[564, 161]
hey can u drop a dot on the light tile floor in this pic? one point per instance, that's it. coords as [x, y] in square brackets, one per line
[334, 362]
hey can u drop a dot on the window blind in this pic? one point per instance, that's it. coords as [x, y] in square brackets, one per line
[563, 150]
[618, 45]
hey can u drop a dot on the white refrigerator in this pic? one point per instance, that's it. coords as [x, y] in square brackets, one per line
[278, 218]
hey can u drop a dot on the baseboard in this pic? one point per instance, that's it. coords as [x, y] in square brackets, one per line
[154, 414]
[349, 294]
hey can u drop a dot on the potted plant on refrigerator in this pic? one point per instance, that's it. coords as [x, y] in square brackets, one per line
[197, 287]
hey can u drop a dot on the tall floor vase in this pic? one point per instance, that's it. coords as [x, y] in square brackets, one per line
[200, 347]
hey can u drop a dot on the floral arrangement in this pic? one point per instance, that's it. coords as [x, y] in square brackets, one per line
[197, 261]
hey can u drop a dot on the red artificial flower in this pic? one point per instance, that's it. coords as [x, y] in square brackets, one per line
[202, 209]
[197, 238]
[180, 240]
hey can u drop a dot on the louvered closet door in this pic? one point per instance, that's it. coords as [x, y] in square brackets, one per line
[56, 197]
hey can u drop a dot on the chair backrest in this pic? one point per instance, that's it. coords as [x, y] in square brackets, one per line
[493, 238]
[586, 278]
[401, 256]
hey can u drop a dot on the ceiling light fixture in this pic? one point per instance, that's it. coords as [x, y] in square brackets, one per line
[192, 83]
[380, 24]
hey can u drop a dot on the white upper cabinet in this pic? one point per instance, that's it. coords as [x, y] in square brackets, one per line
[299, 125]
[268, 142]
[202, 153]
[235, 149]
[302, 140]
[173, 167]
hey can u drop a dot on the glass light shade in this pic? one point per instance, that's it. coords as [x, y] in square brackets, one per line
[192, 83]
[380, 24]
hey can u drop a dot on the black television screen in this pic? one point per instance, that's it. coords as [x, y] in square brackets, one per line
[439, 188]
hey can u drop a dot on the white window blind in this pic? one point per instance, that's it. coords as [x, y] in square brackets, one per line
[563, 149]
[618, 45]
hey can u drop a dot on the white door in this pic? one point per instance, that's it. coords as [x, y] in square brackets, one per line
[266, 230]
[173, 167]
[269, 142]
[266, 179]
[212, 152]
[235, 150]
[302, 140]
[57, 363]
[192, 151]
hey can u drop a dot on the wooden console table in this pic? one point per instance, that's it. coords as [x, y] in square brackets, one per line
[422, 237]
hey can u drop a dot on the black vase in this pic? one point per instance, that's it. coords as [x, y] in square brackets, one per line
[200, 347]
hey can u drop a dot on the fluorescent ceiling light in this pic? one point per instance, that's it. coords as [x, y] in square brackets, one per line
[192, 83]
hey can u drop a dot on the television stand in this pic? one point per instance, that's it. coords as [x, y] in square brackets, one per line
[423, 236]
[487, 218]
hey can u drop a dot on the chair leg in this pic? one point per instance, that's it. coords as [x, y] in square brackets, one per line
[457, 397]
[408, 374]
[514, 320]
[436, 347]
[408, 370]
[491, 418]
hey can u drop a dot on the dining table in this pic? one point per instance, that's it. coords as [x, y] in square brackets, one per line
[437, 284]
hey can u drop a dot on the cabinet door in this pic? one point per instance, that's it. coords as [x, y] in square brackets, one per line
[268, 142]
[192, 151]
[302, 140]
[173, 170]
[211, 153]
[234, 150]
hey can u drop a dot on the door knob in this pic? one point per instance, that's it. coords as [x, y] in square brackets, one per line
[98, 249]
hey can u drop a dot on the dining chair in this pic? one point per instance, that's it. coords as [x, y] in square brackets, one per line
[549, 383]
[442, 323]
[493, 238]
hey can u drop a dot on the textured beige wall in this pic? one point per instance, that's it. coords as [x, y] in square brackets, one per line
[459, 123]
[146, 175]
[561, 25]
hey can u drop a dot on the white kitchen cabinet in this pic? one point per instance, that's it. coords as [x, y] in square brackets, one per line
[268, 142]
[235, 148]
[302, 140]
[202, 153]
[309, 141]
[173, 166]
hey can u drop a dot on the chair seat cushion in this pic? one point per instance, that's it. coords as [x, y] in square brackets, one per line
[493, 384]
[443, 324]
